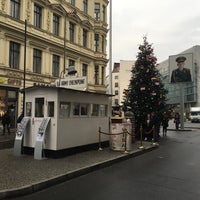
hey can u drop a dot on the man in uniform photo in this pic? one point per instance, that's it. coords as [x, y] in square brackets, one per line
[181, 74]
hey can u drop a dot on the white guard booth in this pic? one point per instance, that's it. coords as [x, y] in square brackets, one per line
[62, 118]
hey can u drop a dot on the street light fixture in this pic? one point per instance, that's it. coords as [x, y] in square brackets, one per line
[24, 81]
[72, 12]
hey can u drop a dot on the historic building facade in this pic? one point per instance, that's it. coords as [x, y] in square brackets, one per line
[191, 97]
[121, 76]
[40, 39]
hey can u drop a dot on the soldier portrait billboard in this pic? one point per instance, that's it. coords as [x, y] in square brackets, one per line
[181, 68]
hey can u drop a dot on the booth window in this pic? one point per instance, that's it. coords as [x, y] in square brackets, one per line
[80, 109]
[39, 107]
[51, 108]
[28, 109]
[103, 110]
[95, 109]
[64, 109]
[76, 109]
[84, 109]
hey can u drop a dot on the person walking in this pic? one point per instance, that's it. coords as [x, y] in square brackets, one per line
[177, 120]
[148, 128]
[156, 123]
[165, 124]
[6, 123]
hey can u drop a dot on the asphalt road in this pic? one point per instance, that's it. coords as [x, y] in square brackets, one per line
[171, 172]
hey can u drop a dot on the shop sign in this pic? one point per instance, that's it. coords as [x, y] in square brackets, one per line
[14, 82]
[2, 80]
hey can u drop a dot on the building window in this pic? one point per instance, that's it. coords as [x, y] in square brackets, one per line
[116, 101]
[37, 60]
[84, 109]
[76, 109]
[71, 31]
[15, 8]
[103, 44]
[97, 11]
[37, 16]
[95, 109]
[96, 42]
[28, 109]
[80, 109]
[50, 109]
[116, 77]
[116, 92]
[116, 84]
[85, 6]
[71, 62]
[64, 109]
[103, 110]
[39, 107]
[84, 38]
[96, 75]
[14, 55]
[84, 69]
[104, 13]
[72, 2]
[56, 20]
[102, 75]
[56, 66]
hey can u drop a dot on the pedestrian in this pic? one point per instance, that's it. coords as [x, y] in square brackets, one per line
[165, 124]
[148, 128]
[19, 119]
[156, 123]
[6, 123]
[177, 120]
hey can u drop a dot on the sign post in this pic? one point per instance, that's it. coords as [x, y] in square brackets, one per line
[38, 153]
[19, 136]
[182, 105]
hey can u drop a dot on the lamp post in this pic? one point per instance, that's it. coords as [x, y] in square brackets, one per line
[110, 51]
[24, 81]
[64, 43]
[72, 12]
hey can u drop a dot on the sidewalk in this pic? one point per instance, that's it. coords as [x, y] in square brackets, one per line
[7, 141]
[23, 175]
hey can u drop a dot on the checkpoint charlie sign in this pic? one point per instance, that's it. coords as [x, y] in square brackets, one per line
[78, 83]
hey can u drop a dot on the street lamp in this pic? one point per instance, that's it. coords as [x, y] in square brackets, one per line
[24, 83]
[72, 12]
[110, 50]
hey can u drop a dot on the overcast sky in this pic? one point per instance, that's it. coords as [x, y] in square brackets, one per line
[172, 26]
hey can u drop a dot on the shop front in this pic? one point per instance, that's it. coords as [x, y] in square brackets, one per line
[9, 102]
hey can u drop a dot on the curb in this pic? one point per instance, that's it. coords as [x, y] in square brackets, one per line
[70, 175]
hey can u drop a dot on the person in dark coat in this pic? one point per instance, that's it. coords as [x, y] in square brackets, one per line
[181, 74]
[148, 128]
[177, 120]
[6, 123]
[156, 123]
[165, 124]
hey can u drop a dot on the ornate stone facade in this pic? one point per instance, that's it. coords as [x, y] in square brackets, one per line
[46, 38]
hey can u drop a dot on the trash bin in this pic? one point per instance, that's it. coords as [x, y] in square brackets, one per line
[117, 137]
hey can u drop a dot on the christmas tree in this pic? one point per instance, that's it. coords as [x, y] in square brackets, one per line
[146, 93]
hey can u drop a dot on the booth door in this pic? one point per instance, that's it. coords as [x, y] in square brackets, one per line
[38, 112]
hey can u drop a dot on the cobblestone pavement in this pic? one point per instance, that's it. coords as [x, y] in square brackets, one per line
[21, 175]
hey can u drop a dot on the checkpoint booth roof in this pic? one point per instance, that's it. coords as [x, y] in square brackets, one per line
[71, 117]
